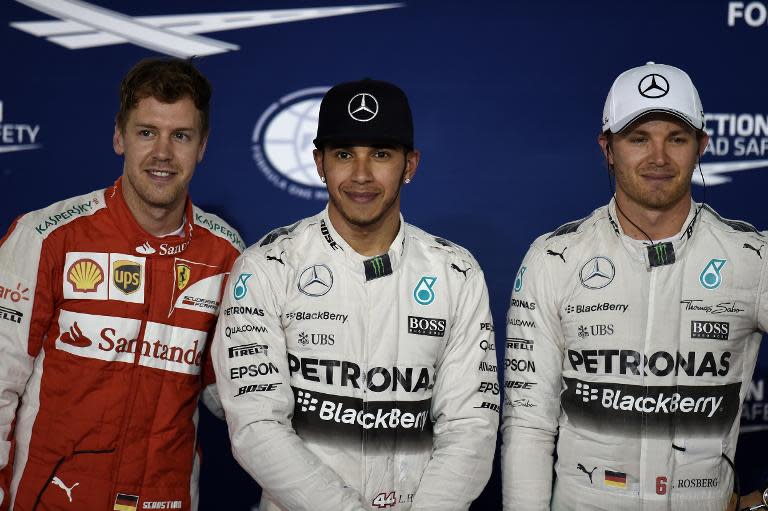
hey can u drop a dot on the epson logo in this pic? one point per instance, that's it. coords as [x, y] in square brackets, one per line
[489, 386]
[426, 326]
[247, 349]
[252, 370]
[522, 365]
[659, 363]
[716, 330]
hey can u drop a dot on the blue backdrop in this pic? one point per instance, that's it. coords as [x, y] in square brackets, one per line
[507, 99]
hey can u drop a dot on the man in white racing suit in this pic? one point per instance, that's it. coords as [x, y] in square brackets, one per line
[633, 333]
[356, 357]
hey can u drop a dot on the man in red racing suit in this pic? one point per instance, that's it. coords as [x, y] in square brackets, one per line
[107, 302]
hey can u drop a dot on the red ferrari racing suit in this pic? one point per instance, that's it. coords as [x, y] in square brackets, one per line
[103, 355]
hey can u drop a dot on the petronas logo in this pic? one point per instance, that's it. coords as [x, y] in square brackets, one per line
[710, 277]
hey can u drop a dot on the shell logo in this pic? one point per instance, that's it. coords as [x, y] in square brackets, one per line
[85, 275]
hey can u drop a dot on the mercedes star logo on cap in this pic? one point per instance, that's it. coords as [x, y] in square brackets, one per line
[363, 107]
[316, 280]
[653, 86]
[597, 273]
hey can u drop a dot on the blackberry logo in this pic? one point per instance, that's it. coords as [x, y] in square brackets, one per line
[306, 401]
[587, 394]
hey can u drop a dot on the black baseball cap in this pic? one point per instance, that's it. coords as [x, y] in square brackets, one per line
[365, 111]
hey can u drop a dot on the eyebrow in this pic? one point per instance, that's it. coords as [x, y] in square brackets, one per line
[153, 126]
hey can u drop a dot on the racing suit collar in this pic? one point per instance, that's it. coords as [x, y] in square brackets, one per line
[355, 261]
[145, 243]
[638, 249]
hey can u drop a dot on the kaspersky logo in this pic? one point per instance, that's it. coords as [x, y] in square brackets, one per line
[84, 25]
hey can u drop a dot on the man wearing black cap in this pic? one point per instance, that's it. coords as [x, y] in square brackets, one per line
[633, 332]
[355, 352]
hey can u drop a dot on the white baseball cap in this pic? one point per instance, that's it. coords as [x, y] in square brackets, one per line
[652, 88]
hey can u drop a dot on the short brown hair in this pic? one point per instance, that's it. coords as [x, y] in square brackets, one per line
[167, 80]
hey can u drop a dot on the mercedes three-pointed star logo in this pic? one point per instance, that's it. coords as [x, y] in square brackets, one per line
[316, 280]
[363, 107]
[597, 273]
[653, 86]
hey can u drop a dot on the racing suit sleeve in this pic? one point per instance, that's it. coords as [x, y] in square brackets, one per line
[762, 296]
[533, 364]
[253, 378]
[26, 306]
[464, 407]
[210, 394]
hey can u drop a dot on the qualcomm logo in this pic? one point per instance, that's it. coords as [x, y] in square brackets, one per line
[282, 143]
[742, 139]
[17, 137]
[83, 25]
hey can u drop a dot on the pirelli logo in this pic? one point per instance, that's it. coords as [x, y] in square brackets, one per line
[247, 349]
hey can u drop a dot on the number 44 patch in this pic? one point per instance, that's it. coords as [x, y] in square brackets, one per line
[384, 500]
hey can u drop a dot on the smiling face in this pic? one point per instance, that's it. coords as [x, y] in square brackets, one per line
[653, 160]
[364, 183]
[162, 143]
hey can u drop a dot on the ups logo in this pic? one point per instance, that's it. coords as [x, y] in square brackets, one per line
[126, 276]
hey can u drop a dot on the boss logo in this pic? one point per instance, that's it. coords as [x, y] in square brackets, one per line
[426, 326]
[717, 330]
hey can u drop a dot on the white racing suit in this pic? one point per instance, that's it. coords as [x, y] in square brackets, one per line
[351, 383]
[640, 359]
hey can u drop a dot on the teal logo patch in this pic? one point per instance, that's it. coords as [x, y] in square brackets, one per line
[710, 277]
[519, 279]
[423, 292]
[239, 291]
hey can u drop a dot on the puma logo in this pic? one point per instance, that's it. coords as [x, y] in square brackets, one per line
[273, 258]
[559, 254]
[460, 270]
[589, 473]
[58, 482]
[757, 250]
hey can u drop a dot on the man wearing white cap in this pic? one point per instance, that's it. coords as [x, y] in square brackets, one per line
[632, 333]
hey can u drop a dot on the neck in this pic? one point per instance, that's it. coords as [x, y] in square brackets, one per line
[658, 224]
[157, 221]
[371, 239]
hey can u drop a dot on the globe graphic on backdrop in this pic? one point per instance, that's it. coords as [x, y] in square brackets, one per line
[287, 141]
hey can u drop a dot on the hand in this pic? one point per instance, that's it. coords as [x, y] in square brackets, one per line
[753, 499]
